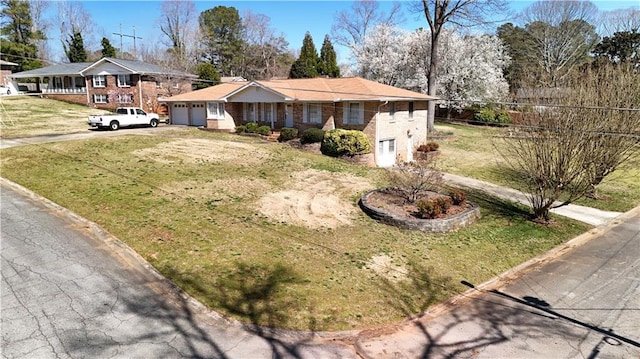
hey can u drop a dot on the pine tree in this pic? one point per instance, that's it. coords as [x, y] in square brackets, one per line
[107, 49]
[74, 48]
[18, 42]
[306, 66]
[328, 64]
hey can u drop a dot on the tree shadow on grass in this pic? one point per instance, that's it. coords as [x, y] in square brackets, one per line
[500, 206]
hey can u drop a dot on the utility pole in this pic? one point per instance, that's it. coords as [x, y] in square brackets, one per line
[131, 36]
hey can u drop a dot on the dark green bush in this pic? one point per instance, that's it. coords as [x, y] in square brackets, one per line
[287, 134]
[341, 142]
[485, 115]
[241, 129]
[502, 117]
[312, 135]
[458, 196]
[263, 130]
[252, 127]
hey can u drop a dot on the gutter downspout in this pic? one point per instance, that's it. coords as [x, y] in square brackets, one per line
[375, 145]
[140, 90]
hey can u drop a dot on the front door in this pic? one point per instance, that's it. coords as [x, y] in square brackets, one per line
[288, 115]
[387, 153]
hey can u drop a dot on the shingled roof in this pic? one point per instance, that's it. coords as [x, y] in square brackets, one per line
[308, 90]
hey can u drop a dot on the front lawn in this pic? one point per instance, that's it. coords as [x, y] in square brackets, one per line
[472, 152]
[24, 116]
[270, 235]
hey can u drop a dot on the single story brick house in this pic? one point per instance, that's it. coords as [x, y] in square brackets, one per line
[109, 83]
[394, 119]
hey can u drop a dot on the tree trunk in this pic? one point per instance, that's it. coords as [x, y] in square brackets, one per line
[431, 80]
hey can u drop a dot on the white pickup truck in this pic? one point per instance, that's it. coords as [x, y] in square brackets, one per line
[125, 116]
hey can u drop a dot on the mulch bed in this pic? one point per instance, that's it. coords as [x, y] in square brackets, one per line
[391, 200]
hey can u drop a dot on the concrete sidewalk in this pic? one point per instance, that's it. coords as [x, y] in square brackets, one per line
[584, 214]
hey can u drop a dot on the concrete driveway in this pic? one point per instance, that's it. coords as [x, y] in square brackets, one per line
[69, 293]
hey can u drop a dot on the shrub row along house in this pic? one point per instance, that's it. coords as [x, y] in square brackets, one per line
[109, 83]
[393, 119]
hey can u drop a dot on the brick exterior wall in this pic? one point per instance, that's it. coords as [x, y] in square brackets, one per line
[150, 93]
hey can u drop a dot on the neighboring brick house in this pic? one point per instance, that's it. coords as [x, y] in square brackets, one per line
[109, 83]
[394, 119]
[6, 68]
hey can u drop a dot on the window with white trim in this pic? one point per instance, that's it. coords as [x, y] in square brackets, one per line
[215, 110]
[99, 81]
[124, 80]
[410, 110]
[312, 113]
[250, 112]
[267, 112]
[353, 113]
[125, 98]
[100, 98]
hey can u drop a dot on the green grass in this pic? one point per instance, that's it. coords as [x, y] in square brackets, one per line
[197, 221]
[472, 152]
[24, 116]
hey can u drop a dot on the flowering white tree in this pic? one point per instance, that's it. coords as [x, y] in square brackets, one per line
[471, 67]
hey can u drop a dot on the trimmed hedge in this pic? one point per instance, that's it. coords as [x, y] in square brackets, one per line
[263, 130]
[341, 142]
[312, 135]
[287, 134]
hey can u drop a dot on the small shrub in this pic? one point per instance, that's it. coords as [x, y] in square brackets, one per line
[252, 127]
[428, 208]
[428, 147]
[458, 196]
[241, 129]
[432, 208]
[287, 134]
[485, 115]
[444, 203]
[502, 117]
[312, 135]
[263, 130]
[341, 142]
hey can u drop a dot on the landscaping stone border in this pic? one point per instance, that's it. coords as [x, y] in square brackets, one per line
[439, 225]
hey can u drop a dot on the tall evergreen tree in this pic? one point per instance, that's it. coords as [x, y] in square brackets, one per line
[328, 64]
[222, 42]
[74, 48]
[623, 46]
[306, 66]
[18, 42]
[107, 49]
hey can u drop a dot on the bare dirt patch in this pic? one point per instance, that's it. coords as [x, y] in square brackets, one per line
[315, 199]
[203, 151]
[217, 190]
[383, 266]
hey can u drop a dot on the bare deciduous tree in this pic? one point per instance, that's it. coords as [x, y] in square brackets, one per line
[416, 178]
[565, 151]
[463, 13]
[564, 36]
[75, 19]
[265, 53]
[39, 24]
[350, 28]
[619, 20]
[179, 23]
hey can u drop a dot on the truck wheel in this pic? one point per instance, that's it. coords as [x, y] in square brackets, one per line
[154, 123]
[114, 125]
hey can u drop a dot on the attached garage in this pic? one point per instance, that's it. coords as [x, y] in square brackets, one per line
[179, 114]
[198, 114]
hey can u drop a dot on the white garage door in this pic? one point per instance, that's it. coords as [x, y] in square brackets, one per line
[387, 153]
[198, 114]
[179, 114]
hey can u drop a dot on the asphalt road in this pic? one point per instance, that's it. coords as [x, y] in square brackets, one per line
[67, 293]
[582, 303]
